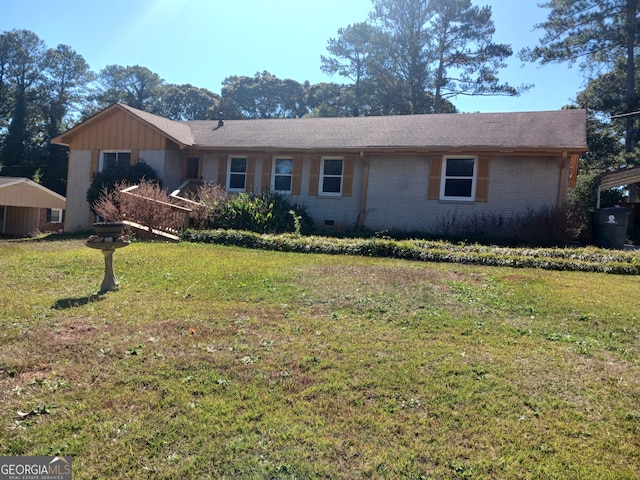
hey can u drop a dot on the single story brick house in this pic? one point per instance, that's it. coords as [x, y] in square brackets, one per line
[380, 173]
[27, 207]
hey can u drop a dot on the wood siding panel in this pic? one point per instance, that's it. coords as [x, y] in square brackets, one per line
[573, 173]
[94, 138]
[435, 172]
[251, 174]
[266, 173]
[347, 186]
[482, 180]
[21, 221]
[222, 171]
[296, 181]
[135, 132]
[314, 176]
[106, 136]
[119, 131]
[125, 134]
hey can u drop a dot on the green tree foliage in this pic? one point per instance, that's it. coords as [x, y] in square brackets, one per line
[466, 60]
[416, 55]
[329, 100]
[25, 54]
[186, 102]
[407, 22]
[603, 37]
[40, 90]
[66, 79]
[354, 55]
[263, 96]
[135, 86]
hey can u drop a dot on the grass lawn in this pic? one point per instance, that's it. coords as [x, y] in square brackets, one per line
[220, 362]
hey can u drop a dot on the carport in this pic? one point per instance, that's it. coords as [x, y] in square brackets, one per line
[21, 203]
[618, 178]
[621, 178]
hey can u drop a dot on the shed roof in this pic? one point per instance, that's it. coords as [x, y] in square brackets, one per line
[22, 192]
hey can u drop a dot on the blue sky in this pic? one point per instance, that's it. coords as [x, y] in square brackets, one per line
[204, 41]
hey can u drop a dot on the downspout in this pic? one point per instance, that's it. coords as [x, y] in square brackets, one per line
[365, 186]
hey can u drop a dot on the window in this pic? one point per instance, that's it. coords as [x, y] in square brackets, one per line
[114, 158]
[331, 176]
[237, 175]
[54, 215]
[458, 179]
[282, 175]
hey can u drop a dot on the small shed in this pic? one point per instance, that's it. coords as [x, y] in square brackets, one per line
[26, 206]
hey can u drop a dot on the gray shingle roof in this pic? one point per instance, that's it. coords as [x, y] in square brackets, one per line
[179, 131]
[556, 129]
[563, 129]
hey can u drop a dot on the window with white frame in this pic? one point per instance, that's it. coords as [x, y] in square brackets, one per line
[237, 174]
[54, 215]
[282, 175]
[331, 176]
[108, 159]
[458, 178]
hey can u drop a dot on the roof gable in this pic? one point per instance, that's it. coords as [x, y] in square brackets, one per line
[118, 126]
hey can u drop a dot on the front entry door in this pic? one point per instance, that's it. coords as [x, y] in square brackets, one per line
[193, 168]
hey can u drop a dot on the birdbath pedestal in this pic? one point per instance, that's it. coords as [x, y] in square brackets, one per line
[108, 245]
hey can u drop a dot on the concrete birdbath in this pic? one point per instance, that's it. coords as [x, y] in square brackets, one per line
[108, 238]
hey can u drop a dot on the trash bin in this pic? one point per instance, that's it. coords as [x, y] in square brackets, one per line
[611, 227]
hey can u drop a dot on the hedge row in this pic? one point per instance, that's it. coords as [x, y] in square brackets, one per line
[567, 259]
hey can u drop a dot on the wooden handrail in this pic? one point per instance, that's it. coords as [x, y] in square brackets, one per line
[177, 217]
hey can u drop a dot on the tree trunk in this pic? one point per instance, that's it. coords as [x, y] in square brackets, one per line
[630, 90]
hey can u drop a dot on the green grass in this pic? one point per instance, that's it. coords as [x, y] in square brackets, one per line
[221, 362]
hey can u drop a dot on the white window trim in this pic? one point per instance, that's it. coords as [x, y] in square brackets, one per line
[322, 175]
[273, 175]
[102, 152]
[246, 167]
[444, 178]
[59, 211]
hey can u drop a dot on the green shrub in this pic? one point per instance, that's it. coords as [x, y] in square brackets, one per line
[569, 259]
[265, 213]
[544, 227]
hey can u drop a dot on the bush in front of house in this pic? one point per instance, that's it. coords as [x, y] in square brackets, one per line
[544, 227]
[264, 213]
